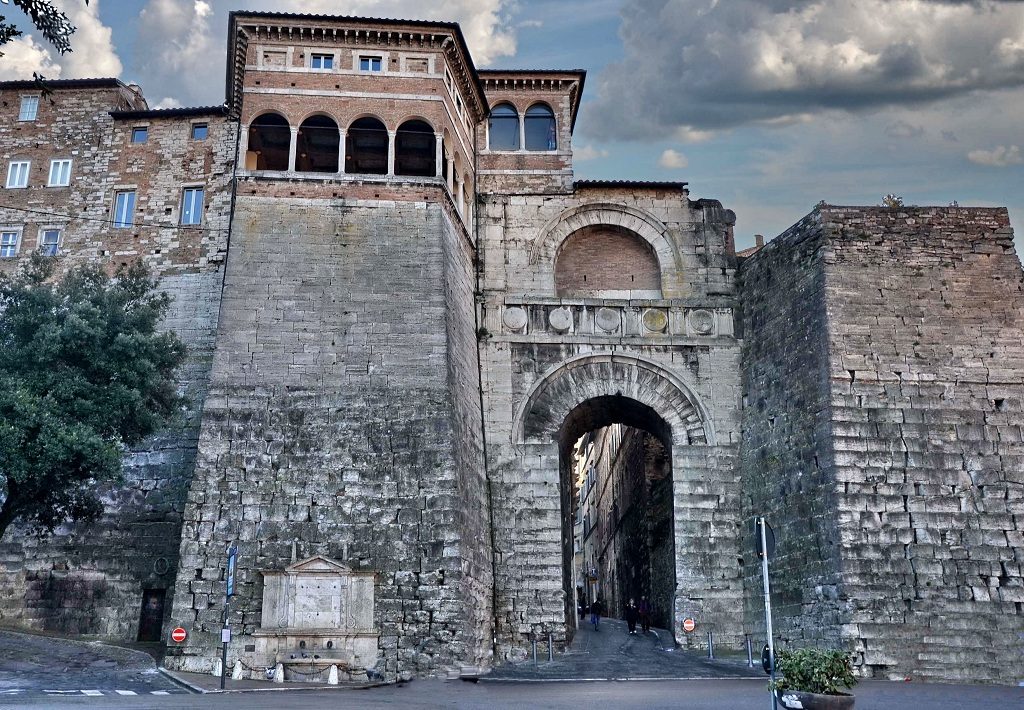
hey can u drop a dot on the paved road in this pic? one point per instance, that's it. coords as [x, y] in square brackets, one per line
[633, 695]
[38, 665]
[611, 653]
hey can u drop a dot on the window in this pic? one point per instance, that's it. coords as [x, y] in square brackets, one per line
[415, 149]
[124, 209]
[29, 108]
[17, 173]
[199, 131]
[321, 61]
[8, 244]
[370, 63]
[269, 143]
[140, 134]
[539, 128]
[49, 242]
[317, 143]
[366, 147]
[503, 128]
[192, 206]
[60, 173]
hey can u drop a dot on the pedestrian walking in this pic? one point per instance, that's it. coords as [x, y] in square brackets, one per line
[645, 614]
[596, 610]
[632, 614]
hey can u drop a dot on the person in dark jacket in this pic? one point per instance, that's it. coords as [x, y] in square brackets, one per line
[632, 614]
[596, 610]
[645, 614]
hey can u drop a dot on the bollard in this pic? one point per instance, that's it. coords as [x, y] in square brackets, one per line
[711, 646]
[332, 675]
[551, 647]
[533, 642]
[750, 653]
[236, 671]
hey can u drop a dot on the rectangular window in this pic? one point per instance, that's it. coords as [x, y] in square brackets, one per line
[29, 108]
[49, 242]
[199, 131]
[8, 245]
[370, 63]
[140, 134]
[17, 173]
[192, 206]
[321, 61]
[60, 173]
[124, 209]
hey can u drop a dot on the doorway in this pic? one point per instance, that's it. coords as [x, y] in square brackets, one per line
[151, 617]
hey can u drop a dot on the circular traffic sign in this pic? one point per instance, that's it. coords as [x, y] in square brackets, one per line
[689, 625]
[178, 635]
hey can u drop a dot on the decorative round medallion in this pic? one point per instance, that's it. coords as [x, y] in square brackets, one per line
[514, 318]
[560, 319]
[608, 319]
[702, 322]
[655, 321]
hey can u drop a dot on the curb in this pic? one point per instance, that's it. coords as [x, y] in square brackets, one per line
[199, 690]
[626, 679]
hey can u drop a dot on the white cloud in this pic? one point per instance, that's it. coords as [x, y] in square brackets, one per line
[588, 152]
[999, 157]
[708, 65]
[180, 44]
[92, 50]
[672, 159]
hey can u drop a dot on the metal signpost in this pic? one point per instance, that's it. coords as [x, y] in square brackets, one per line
[765, 540]
[225, 632]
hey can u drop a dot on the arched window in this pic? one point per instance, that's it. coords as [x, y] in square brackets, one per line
[607, 261]
[270, 139]
[366, 147]
[539, 127]
[503, 128]
[415, 149]
[317, 144]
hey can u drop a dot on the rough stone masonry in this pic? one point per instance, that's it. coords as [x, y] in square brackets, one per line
[403, 310]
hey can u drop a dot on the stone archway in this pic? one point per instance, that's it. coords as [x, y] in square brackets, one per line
[546, 407]
[581, 394]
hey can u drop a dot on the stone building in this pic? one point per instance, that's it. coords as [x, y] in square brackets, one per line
[403, 314]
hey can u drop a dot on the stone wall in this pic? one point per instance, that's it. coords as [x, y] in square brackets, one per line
[344, 421]
[89, 579]
[920, 450]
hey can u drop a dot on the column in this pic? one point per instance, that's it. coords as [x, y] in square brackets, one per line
[243, 146]
[391, 152]
[341, 150]
[522, 131]
[293, 149]
[439, 155]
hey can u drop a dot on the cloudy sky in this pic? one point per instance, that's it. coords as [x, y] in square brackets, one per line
[766, 105]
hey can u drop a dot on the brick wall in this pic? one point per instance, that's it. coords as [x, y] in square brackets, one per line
[598, 260]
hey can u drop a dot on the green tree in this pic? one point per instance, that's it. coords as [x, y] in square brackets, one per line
[84, 374]
[54, 25]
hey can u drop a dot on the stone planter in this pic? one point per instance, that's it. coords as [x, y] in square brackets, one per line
[799, 700]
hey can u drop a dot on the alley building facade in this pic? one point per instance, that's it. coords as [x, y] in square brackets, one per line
[404, 315]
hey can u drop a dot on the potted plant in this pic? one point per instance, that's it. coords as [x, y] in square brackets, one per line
[814, 679]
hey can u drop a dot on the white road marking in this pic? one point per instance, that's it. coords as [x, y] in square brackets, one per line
[158, 692]
[92, 692]
[126, 692]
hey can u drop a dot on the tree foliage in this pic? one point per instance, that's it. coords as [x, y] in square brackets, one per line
[814, 670]
[84, 373]
[54, 25]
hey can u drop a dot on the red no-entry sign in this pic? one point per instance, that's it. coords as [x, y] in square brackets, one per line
[689, 625]
[178, 635]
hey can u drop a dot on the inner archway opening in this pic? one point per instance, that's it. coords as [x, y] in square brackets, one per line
[617, 511]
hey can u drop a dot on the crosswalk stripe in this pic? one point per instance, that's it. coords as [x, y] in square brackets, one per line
[159, 692]
[126, 692]
[92, 692]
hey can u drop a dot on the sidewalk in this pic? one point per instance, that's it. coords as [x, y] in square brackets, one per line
[613, 654]
[207, 683]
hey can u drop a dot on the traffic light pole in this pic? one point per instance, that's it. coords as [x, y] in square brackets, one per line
[767, 607]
